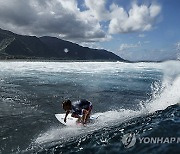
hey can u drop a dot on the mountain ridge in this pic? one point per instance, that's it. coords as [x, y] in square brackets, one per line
[15, 46]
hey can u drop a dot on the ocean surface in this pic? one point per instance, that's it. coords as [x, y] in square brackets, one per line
[132, 98]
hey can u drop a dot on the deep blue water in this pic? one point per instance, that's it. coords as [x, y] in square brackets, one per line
[138, 98]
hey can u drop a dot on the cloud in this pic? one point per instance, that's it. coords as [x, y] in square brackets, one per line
[138, 18]
[150, 54]
[139, 51]
[97, 9]
[50, 17]
[65, 18]
[125, 46]
[93, 45]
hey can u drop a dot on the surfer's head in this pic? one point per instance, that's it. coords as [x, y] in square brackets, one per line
[66, 105]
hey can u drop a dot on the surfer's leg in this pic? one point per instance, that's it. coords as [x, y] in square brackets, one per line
[75, 115]
[88, 114]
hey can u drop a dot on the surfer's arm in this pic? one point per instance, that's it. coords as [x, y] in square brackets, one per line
[84, 118]
[67, 112]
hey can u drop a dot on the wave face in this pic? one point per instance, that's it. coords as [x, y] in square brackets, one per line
[139, 98]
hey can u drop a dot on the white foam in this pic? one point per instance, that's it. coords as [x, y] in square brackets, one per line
[81, 67]
[164, 95]
[108, 118]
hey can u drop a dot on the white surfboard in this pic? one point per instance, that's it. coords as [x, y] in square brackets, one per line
[70, 121]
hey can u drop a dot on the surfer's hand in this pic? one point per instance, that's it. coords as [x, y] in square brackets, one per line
[65, 120]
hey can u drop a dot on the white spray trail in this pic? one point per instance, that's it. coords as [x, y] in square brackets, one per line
[163, 96]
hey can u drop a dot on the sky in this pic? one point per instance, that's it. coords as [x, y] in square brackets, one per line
[132, 29]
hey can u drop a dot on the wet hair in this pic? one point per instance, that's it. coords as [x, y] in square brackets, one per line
[66, 103]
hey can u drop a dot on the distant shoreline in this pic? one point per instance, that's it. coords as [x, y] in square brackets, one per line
[60, 60]
[53, 60]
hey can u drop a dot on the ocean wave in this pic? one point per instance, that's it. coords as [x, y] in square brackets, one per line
[164, 94]
[143, 117]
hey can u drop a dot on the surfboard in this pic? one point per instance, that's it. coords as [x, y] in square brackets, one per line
[70, 121]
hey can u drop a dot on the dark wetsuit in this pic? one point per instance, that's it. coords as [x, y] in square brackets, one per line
[79, 106]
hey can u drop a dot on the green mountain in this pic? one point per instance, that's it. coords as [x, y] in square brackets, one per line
[14, 46]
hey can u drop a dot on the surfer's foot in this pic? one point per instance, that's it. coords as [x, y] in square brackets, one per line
[84, 125]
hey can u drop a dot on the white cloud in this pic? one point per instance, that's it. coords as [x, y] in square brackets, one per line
[150, 54]
[138, 18]
[64, 18]
[93, 45]
[97, 9]
[60, 18]
[125, 46]
[70, 5]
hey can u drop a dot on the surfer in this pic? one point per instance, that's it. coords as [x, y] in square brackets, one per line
[80, 109]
